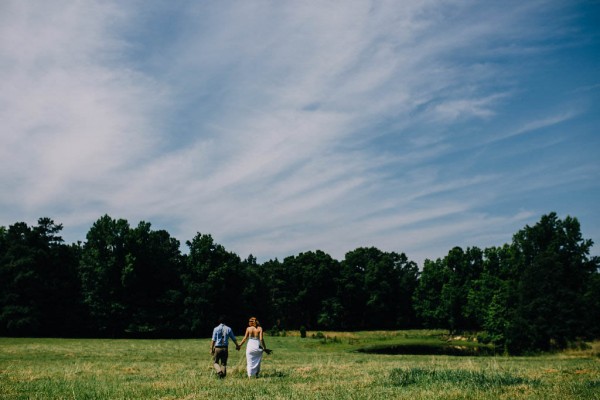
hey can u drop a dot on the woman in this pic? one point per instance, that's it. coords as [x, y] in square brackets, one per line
[256, 346]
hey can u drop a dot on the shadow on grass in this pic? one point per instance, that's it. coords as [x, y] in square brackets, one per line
[274, 374]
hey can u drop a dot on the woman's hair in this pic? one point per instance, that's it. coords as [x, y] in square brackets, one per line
[253, 322]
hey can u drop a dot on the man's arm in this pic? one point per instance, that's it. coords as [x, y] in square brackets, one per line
[212, 347]
[232, 336]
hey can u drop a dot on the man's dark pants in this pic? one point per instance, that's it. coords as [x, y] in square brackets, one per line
[220, 359]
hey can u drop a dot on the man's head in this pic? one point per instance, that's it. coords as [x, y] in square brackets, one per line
[222, 319]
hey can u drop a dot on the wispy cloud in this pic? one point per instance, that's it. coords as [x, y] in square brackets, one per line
[276, 127]
[537, 124]
[71, 119]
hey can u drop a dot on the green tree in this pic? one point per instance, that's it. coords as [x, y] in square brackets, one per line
[442, 294]
[390, 280]
[312, 278]
[464, 269]
[376, 289]
[553, 269]
[214, 282]
[279, 293]
[19, 280]
[151, 282]
[487, 299]
[427, 298]
[351, 294]
[104, 271]
[592, 301]
[39, 291]
[255, 294]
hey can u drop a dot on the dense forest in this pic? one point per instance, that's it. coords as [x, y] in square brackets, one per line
[540, 292]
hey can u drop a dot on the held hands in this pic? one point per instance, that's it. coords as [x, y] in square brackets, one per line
[238, 347]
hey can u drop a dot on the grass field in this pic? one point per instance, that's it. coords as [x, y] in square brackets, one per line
[309, 368]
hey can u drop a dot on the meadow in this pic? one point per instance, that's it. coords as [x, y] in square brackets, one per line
[324, 365]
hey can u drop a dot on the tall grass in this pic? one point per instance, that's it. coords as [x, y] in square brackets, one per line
[482, 380]
[319, 368]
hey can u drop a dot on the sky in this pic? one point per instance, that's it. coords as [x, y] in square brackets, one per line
[285, 127]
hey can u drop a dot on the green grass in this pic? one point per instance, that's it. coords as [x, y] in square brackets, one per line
[327, 367]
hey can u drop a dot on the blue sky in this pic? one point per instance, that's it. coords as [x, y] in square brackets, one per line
[283, 127]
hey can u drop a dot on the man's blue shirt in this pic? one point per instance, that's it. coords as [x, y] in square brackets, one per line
[221, 335]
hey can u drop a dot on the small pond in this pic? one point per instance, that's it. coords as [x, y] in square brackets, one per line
[423, 349]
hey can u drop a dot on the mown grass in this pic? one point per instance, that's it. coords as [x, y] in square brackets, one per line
[325, 367]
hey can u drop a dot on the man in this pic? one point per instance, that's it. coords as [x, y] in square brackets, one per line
[219, 346]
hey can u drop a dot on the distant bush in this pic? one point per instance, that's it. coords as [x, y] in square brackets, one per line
[326, 339]
[484, 337]
[274, 331]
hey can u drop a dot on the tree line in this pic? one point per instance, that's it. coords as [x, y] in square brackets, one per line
[541, 291]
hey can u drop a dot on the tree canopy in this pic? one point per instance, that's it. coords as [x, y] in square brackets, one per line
[539, 292]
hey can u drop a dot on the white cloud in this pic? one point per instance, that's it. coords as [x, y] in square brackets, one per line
[71, 119]
[276, 127]
[467, 108]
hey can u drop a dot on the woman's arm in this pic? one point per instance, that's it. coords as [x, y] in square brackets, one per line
[261, 337]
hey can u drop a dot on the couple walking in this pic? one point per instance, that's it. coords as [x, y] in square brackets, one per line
[254, 350]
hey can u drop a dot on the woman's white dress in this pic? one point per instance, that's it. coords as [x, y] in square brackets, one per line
[253, 356]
